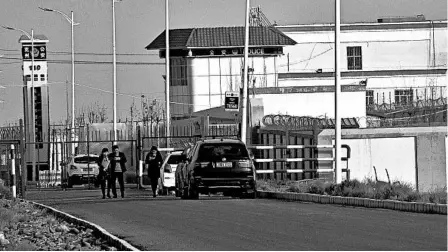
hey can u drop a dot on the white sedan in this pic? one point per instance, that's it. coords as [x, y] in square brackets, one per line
[169, 169]
[81, 168]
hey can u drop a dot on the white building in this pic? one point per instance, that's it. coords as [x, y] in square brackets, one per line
[398, 63]
[207, 62]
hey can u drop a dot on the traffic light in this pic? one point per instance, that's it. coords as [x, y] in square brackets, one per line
[38, 116]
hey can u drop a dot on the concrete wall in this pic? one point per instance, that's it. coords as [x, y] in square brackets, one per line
[431, 160]
[397, 155]
[413, 155]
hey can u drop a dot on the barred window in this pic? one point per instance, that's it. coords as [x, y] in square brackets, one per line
[354, 58]
[369, 97]
[403, 96]
[178, 72]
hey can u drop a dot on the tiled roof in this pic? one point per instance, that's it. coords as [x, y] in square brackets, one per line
[36, 37]
[221, 37]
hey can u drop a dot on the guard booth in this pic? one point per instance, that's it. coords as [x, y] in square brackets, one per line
[36, 104]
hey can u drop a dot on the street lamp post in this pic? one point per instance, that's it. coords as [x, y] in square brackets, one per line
[32, 123]
[114, 72]
[167, 69]
[72, 23]
[337, 93]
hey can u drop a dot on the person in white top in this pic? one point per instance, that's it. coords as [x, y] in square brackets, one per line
[104, 171]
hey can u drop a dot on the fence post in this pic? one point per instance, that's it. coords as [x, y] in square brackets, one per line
[22, 147]
[140, 174]
[138, 154]
[13, 172]
[88, 156]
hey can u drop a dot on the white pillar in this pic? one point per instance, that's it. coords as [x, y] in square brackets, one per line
[13, 172]
[140, 172]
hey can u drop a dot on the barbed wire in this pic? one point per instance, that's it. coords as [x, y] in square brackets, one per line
[308, 122]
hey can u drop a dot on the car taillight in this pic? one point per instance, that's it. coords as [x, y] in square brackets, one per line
[72, 167]
[245, 164]
[201, 165]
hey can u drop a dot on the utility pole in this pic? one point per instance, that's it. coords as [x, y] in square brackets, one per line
[114, 72]
[337, 93]
[245, 79]
[72, 25]
[33, 123]
[167, 79]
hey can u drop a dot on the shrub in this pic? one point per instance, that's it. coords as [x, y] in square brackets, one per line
[367, 188]
[297, 188]
[437, 195]
[316, 188]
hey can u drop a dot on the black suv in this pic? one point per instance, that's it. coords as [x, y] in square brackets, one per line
[217, 165]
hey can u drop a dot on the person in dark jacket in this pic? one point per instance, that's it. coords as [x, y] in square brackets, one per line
[154, 161]
[104, 172]
[117, 170]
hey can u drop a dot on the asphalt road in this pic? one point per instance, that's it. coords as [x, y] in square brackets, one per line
[167, 223]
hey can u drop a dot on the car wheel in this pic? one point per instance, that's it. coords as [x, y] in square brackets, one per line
[227, 194]
[250, 194]
[70, 182]
[192, 192]
[184, 194]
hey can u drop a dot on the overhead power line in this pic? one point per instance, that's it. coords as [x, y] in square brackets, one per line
[93, 62]
[87, 53]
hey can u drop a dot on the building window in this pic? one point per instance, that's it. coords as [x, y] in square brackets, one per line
[27, 77]
[354, 58]
[178, 72]
[403, 96]
[36, 77]
[42, 77]
[369, 97]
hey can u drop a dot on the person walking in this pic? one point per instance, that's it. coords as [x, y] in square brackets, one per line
[154, 161]
[104, 172]
[117, 170]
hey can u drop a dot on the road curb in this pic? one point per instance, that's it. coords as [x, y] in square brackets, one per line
[120, 244]
[416, 207]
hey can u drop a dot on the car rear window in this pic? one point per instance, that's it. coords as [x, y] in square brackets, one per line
[174, 159]
[229, 151]
[85, 160]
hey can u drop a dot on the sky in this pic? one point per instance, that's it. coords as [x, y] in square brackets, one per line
[138, 22]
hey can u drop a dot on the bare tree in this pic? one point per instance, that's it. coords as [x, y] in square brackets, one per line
[96, 113]
[93, 113]
[152, 112]
[133, 111]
